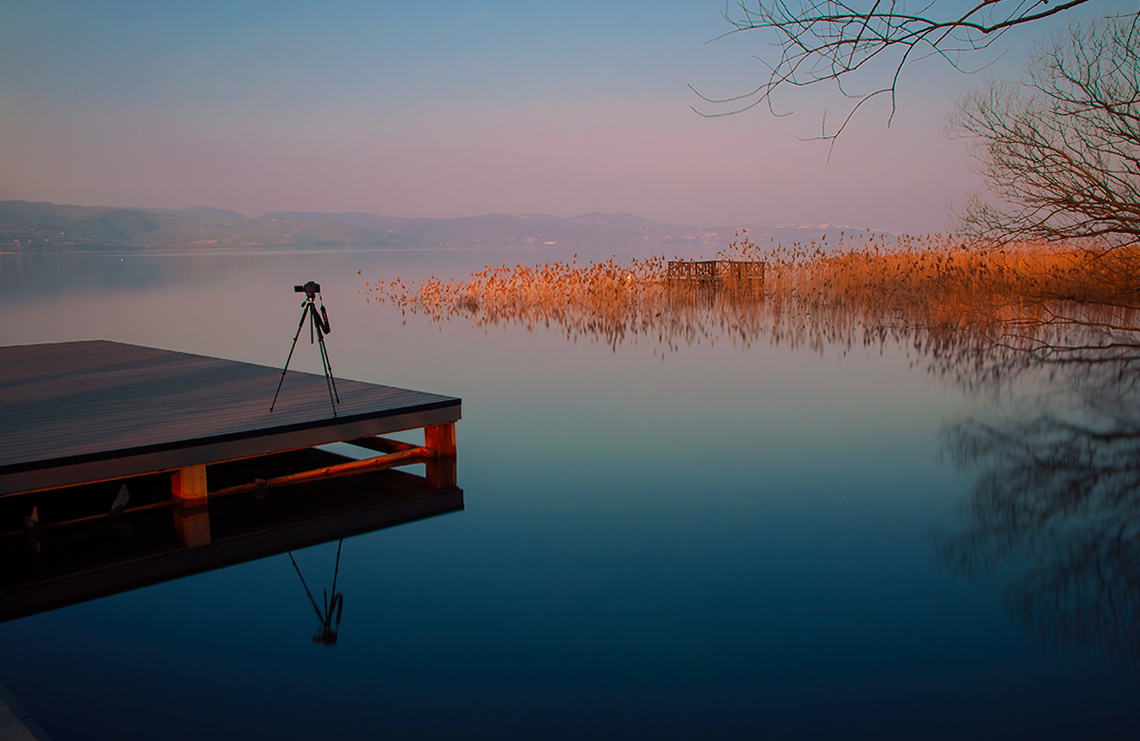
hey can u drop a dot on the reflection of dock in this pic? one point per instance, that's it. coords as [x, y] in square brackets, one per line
[92, 559]
[213, 476]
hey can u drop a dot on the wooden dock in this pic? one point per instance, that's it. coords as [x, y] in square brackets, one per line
[215, 478]
[80, 412]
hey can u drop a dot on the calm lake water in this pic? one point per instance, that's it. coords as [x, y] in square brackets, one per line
[714, 541]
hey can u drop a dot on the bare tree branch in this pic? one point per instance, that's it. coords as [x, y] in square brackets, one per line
[830, 41]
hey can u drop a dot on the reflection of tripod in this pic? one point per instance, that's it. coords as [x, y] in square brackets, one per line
[319, 326]
[333, 607]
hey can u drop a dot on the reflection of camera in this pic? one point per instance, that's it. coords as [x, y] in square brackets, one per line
[310, 289]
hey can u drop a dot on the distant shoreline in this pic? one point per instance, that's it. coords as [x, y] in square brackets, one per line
[47, 228]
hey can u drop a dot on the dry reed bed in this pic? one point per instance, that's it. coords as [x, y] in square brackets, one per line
[932, 291]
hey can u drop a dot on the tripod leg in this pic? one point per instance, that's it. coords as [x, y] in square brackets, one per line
[329, 382]
[328, 369]
[304, 313]
[321, 323]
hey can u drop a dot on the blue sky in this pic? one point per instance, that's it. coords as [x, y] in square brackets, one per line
[449, 109]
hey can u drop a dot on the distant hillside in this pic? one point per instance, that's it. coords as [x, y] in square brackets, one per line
[42, 227]
[505, 229]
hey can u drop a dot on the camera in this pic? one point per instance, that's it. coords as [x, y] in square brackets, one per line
[310, 289]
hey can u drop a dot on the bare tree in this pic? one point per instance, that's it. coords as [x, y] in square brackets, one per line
[1060, 153]
[822, 41]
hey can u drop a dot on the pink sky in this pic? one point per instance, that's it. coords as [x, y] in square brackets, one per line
[506, 107]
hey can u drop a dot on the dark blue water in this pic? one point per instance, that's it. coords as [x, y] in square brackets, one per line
[718, 541]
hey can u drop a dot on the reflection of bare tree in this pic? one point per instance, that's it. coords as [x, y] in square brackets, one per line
[1085, 345]
[1056, 501]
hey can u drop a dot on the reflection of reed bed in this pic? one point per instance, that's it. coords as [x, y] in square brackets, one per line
[931, 291]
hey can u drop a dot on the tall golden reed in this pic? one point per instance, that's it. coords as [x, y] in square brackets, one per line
[858, 290]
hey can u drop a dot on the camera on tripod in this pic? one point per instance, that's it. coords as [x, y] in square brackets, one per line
[310, 289]
[318, 327]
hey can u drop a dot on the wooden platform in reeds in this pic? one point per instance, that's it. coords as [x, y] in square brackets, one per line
[79, 412]
[711, 271]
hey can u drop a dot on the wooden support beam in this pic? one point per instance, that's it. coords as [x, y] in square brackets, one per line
[381, 444]
[188, 485]
[403, 458]
[440, 439]
[90, 518]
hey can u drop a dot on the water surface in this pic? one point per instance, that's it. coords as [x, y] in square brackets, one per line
[721, 539]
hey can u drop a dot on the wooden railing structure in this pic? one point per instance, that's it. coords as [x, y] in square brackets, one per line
[712, 272]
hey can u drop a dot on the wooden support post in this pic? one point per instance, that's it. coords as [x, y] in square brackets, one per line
[193, 525]
[441, 469]
[440, 439]
[188, 486]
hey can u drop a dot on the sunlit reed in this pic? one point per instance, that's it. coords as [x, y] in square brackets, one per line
[846, 293]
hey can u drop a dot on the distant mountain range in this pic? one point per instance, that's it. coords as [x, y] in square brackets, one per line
[47, 227]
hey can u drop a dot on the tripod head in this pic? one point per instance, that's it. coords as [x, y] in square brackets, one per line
[310, 289]
[320, 322]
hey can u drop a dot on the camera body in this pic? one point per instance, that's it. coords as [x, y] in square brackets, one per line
[310, 289]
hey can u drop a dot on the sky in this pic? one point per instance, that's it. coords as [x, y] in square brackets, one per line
[451, 109]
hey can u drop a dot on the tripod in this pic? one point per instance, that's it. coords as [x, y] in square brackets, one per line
[318, 326]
